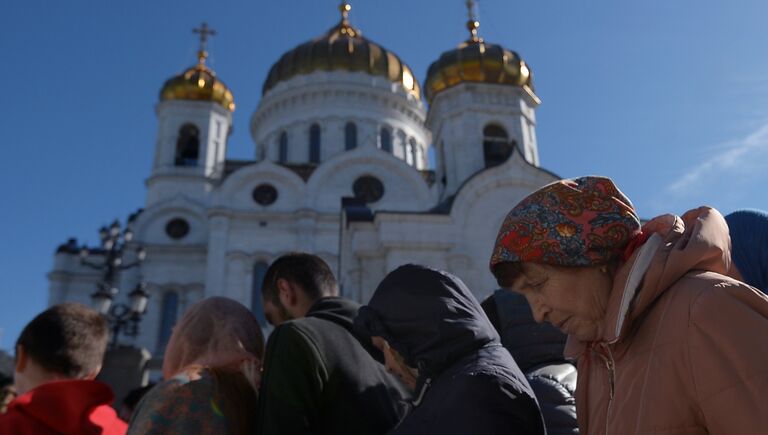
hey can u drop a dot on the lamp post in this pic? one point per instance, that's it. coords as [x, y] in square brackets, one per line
[122, 318]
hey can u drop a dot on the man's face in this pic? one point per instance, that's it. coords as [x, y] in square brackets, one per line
[275, 312]
[395, 363]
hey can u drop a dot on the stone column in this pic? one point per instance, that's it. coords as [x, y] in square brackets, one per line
[218, 234]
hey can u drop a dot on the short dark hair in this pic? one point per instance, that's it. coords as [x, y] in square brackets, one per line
[67, 339]
[308, 271]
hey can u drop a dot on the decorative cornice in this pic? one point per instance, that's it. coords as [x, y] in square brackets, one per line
[301, 90]
[487, 97]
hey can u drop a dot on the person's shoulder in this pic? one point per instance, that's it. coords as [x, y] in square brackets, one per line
[705, 289]
[106, 418]
[311, 329]
[489, 381]
[559, 372]
[173, 403]
[293, 338]
[20, 423]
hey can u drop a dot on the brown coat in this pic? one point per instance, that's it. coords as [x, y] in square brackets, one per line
[686, 348]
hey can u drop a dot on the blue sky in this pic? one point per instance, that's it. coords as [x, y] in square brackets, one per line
[670, 98]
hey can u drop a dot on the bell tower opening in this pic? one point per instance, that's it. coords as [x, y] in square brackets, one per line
[187, 146]
[496, 145]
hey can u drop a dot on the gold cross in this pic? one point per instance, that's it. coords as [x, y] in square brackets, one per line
[344, 8]
[204, 32]
[472, 23]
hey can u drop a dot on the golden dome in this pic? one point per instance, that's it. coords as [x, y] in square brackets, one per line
[199, 82]
[476, 61]
[342, 48]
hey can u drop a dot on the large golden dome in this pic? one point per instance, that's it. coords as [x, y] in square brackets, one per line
[479, 62]
[342, 48]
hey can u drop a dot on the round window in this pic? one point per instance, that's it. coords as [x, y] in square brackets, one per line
[177, 228]
[264, 194]
[368, 188]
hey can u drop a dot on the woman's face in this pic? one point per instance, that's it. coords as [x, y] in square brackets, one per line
[573, 299]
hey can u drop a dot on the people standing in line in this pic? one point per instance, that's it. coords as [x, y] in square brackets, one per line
[749, 247]
[211, 374]
[58, 356]
[436, 337]
[665, 341]
[319, 378]
[538, 350]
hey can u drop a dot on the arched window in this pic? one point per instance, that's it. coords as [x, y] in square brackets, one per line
[496, 145]
[187, 146]
[257, 308]
[409, 151]
[314, 144]
[385, 139]
[416, 150]
[169, 311]
[282, 148]
[350, 136]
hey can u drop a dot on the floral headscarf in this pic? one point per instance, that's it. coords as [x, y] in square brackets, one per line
[579, 222]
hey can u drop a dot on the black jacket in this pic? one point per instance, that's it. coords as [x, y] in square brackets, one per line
[468, 383]
[538, 349]
[320, 379]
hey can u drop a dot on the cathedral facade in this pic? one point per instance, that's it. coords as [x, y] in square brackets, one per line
[354, 161]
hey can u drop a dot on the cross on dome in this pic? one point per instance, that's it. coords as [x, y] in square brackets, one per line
[204, 31]
[473, 23]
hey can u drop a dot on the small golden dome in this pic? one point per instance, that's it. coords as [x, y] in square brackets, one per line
[343, 48]
[199, 82]
[476, 61]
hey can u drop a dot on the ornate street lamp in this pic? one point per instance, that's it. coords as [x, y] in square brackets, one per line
[122, 318]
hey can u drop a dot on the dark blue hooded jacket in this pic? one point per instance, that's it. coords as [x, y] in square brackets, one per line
[538, 350]
[468, 383]
[749, 246]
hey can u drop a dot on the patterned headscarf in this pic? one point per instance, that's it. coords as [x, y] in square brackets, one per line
[579, 222]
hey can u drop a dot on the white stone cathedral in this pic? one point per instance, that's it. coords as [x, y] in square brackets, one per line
[340, 117]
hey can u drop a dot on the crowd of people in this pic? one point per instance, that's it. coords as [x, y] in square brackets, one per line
[601, 325]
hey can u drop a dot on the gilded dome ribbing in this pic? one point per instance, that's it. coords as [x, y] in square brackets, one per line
[476, 61]
[342, 48]
[198, 83]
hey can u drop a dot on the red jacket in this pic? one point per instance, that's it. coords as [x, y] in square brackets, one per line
[63, 407]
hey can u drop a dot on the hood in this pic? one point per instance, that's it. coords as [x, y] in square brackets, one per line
[749, 242]
[66, 406]
[430, 317]
[342, 312]
[530, 343]
[698, 240]
[335, 309]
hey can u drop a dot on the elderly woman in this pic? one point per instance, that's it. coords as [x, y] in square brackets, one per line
[666, 343]
[211, 370]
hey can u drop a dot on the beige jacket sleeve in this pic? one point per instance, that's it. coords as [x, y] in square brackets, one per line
[728, 344]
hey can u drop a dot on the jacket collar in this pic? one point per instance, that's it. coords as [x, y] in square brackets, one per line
[626, 285]
[63, 405]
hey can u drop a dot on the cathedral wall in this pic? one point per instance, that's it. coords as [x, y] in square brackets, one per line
[331, 99]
